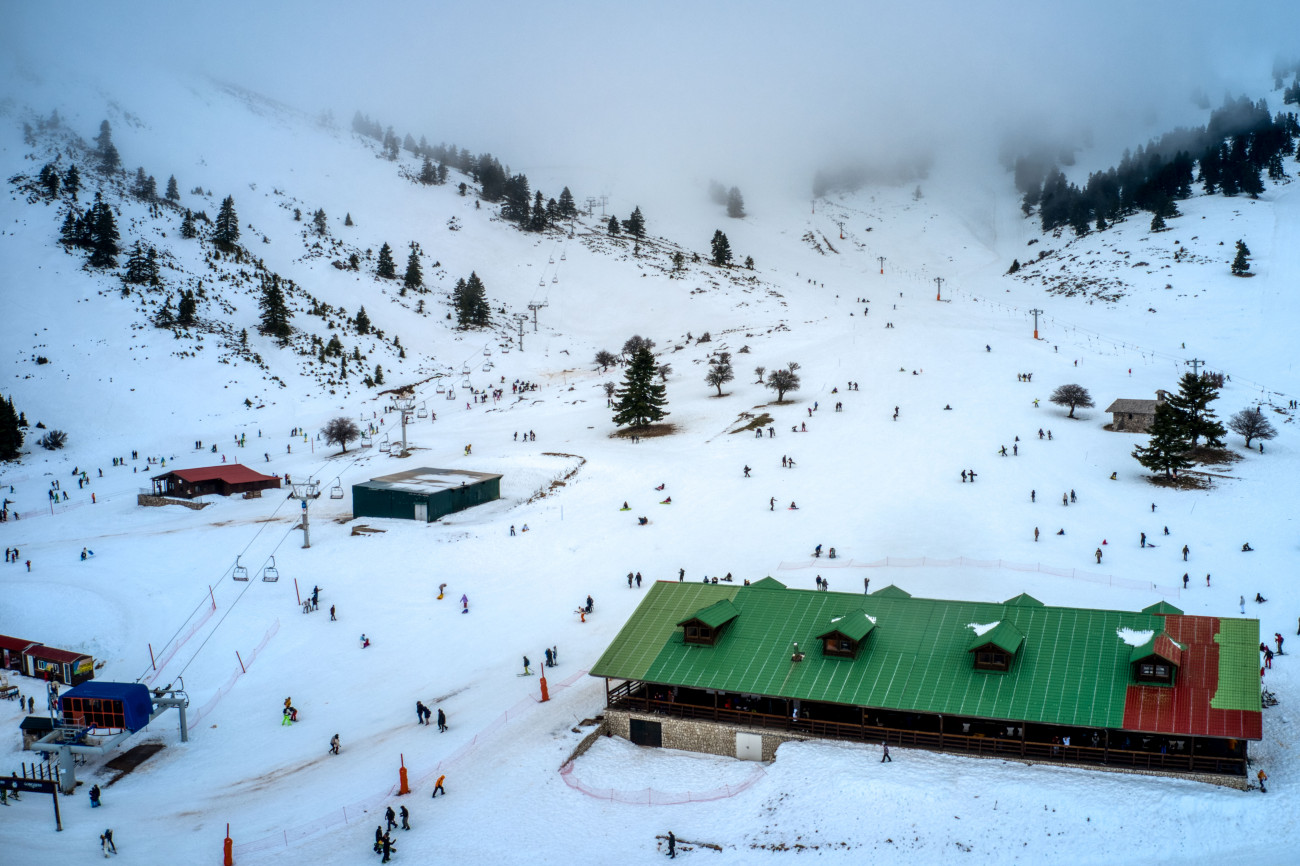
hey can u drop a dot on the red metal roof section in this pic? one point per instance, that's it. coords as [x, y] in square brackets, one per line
[15, 644]
[1185, 708]
[49, 653]
[231, 473]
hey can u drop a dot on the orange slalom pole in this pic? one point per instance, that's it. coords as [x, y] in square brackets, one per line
[229, 847]
[403, 788]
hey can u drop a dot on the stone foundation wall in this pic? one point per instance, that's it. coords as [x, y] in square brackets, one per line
[587, 742]
[146, 499]
[697, 735]
[717, 738]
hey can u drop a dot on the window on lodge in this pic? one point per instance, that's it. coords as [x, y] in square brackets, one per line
[836, 645]
[696, 633]
[991, 660]
[1155, 672]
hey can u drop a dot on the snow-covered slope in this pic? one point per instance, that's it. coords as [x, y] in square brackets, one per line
[869, 485]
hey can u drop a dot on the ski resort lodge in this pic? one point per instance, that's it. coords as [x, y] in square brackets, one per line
[737, 670]
[224, 480]
[424, 494]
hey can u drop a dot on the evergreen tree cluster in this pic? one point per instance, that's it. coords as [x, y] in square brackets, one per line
[142, 266]
[11, 431]
[95, 231]
[1228, 155]
[1180, 422]
[469, 300]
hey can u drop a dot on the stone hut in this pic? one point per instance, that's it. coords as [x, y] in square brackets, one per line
[1134, 416]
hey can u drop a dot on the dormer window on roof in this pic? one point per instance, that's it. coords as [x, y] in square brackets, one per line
[706, 624]
[1156, 662]
[994, 646]
[846, 634]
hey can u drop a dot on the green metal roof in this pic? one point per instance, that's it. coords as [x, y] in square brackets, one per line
[892, 591]
[1024, 600]
[1004, 636]
[1072, 667]
[854, 626]
[1163, 607]
[768, 582]
[1160, 644]
[715, 614]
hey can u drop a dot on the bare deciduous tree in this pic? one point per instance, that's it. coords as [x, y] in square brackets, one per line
[1252, 424]
[606, 359]
[759, 371]
[340, 431]
[1072, 396]
[782, 381]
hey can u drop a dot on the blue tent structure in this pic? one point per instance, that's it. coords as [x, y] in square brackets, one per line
[98, 704]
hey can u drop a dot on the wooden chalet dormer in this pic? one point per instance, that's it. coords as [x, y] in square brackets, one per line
[704, 626]
[996, 648]
[846, 635]
[1156, 662]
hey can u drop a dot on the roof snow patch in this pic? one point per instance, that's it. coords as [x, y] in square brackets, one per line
[981, 629]
[1133, 637]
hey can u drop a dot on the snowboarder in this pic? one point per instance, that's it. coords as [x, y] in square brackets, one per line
[406, 818]
[438, 787]
[442, 721]
[334, 744]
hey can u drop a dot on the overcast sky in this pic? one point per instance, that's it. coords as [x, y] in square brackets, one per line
[734, 86]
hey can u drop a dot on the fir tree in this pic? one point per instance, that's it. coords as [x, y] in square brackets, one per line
[186, 309]
[567, 208]
[103, 235]
[11, 433]
[362, 321]
[165, 318]
[1167, 448]
[386, 269]
[50, 180]
[476, 312]
[188, 231]
[1192, 403]
[141, 269]
[1241, 264]
[379, 375]
[1158, 223]
[721, 249]
[319, 222]
[347, 219]
[173, 191]
[72, 181]
[635, 224]
[225, 233]
[537, 222]
[428, 173]
[414, 275]
[749, 263]
[275, 313]
[106, 152]
[613, 226]
[641, 399]
[735, 203]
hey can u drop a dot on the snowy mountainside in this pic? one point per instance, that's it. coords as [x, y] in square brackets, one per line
[883, 488]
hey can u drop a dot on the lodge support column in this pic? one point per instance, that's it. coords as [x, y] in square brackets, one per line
[941, 731]
[1105, 755]
[1022, 739]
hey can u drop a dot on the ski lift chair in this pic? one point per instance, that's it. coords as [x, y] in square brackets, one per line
[385, 447]
[465, 371]
[487, 366]
[441, 390]
[241, 573]
[336, 492]
[555, 279]
[270, 574]
[451, 393]
[366, 440]
[422, 412]
[541, 281]
[487, 350]
[563, 256]
[466, 385]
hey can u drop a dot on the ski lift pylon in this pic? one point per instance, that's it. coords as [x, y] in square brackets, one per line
[271, 574]
[241, 573]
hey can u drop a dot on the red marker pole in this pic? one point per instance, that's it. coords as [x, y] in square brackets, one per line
[403, 788]
[546, 695]
[229, 847]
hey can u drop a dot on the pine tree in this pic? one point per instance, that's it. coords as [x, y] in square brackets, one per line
[319, 222]
[11, 433]
[613, 226]
[173, 191]
[567, 208]
[635, 224]
[347, 219]
[105, 150]
[537, 222]
[275, 314]
[1241, 264]
[428, 173]
[735, 204]
[641, 399]
[721, 249]
[474, 312]
[165, 318]
[225, 233]
[72, 181]
[188, 230]
[50, 179]
[186, 309]
[1158, 223]
[1192, 402]
[362, 321]
[414, 275]
[103, 235]
[140, 269]
[379, 375]
[1167, 448]
[386, 269]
